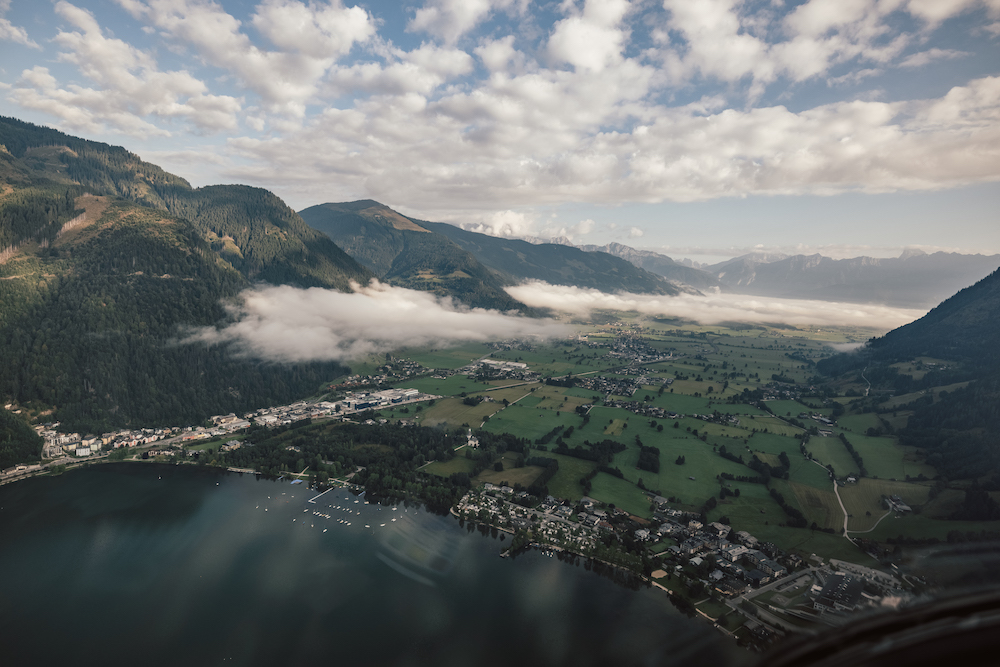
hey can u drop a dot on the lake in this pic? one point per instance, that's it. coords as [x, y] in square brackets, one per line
[126, 564]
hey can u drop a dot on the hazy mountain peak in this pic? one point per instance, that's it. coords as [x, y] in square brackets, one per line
[912, 252]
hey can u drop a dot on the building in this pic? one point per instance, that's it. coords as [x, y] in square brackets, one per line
[842, 592]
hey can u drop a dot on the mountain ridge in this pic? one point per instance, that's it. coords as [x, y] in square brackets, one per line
[371, 232]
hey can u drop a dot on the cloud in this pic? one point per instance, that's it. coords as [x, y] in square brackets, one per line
[288, 324]
[590, 40]
[505, 119]
[129, 87]
[449, 19]
[635, 232]
[714, 308]
[924, 57]
[505, 224]
[12, 33]
[310, 40]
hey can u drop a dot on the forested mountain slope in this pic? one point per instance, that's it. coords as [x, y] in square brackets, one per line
[959, 429]
[553, 263]
[404, 253]
[91, 324]
[106, 261]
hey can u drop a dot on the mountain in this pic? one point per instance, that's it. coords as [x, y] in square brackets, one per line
[256, 232]
[659, 264]
[553, 263]
[471, 266]
[913, 280]
[957, 429]
[106, 261]
[405, 253]
[962, 328]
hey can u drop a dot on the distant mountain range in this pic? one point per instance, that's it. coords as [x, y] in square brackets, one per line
[913, 280]
[471, 266]
[659, 264]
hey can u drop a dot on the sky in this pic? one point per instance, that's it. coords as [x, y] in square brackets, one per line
[698, 129]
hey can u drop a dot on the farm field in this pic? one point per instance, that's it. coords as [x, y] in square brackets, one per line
[863, 500]
[860, 423]
[566, 483]
[448, 468]
[831, 451]
[788, 408]
[450, 386]
[772, 424]
[450, 358]
[819, 505]
[453, 412]
[886, 459]
[609, 489]
[510, 476]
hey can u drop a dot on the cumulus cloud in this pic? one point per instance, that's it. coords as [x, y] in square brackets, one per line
[930, 55]
[487, 117]
[12, 33]
[592, 39]
[288, 324]
[310, 38]
[130, 90]
[714, 308]
[506, 224]
[450, 19]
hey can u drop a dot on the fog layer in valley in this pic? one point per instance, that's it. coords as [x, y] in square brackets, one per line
[716, 307]
[289, 324]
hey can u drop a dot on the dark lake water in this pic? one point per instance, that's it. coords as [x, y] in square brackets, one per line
[134, 564]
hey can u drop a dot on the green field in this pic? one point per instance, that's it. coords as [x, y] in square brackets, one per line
[566, 483]
[450, 386]
[831, 451]
[510, 476]
[819, 505]
[789, 408]
[453, 412]
[449, 358]
[860, 423]
[447, 468]
[609, 489]
[863, 500]
[528, 422]
[771, 424]
[884, 458]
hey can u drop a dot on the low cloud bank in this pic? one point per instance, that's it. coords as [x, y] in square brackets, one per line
[715, 308]
[290, 324]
